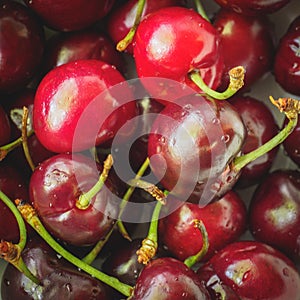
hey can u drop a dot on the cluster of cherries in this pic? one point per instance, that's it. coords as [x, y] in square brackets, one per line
[128, 140]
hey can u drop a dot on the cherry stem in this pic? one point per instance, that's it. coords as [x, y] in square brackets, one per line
[30, 215]
[291, 108]
[150, 243]
[236, 77]
[200, 9]
[84, 199]
[24, 138]
[123, 44]
[192, 260]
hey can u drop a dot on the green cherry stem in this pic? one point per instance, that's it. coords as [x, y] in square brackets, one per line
[33, 220]
[84, 199]
[122, 45]
[192, 260]
[290, 108]
[200, 9]
[236, 76]
[12, 252]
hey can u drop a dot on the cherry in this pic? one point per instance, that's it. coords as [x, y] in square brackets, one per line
[250, 270]
[274, 213]
[59, 279]
[62, 16]
[78, 92]
[191, 144]
[253, 7]
[122, 19]
[21, 46]
[56, 186]
[85, 44]
[261, 127]
[160, 49]
[15, 187]
[168, 278]
[5, 128]
[287, 61]
[245, 41]
[292, 144]
[224, 220]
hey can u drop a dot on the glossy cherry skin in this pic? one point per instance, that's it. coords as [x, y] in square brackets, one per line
[168, 278]
[287, 61]
[60, 280]
[21, 45]
[173, 41]
[292, 143]
[14, 187]
[274, 213]
[54, 189]
[5, 128]
[62, 16]
[85, 44]
[261, 127]
[224, 220]
[253, 7]
[245, 41]
[191, 146]
[71, 93]
[250, 270]
[122, 19]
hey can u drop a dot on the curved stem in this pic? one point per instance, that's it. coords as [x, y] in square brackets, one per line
[33, 220]
[236, 76]
[84, 199]
[122, 45]
[190, 261]
[200, 9]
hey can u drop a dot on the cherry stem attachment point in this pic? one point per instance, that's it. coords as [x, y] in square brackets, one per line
[123, 44]
[84, 199]
[291, 108]
[30, 215]
[191, 260]
[236, 76]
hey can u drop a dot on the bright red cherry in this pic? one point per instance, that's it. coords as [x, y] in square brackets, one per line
[21, 46]
[287, 60]
[75, 110]
[63, 16]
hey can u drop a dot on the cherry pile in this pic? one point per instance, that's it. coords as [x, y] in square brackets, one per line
[150, 149]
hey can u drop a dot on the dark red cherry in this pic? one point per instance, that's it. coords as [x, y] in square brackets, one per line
[261, 127]
[21, 45]
[15, 187]
[253, 7]
[250, 270]
[5, 128]
[85, 44]
[59, 279]
[191, 145]
[292, 144]
[62, 16]
[224, 220]
[254, 51]
[122, 19]
[55, 187]
[287, 60]
[77, 106]
[274, 213]
[168, 278]
[161, 51]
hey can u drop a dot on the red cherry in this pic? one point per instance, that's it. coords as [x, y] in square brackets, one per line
[275, 211]
[21, 46]
[5, 128]
[287, 60]
[224, 220]
[79, 92]
[246, 41]
[63, 16]
[250, 270]
[55, 187]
